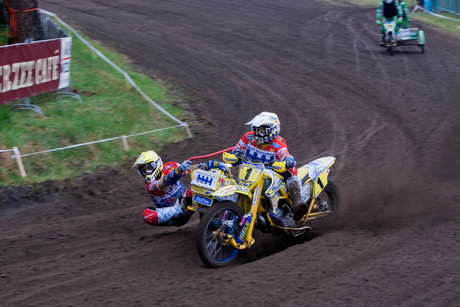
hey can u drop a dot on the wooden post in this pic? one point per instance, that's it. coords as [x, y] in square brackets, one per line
[17, 155]
[187, 128]
[125, 142]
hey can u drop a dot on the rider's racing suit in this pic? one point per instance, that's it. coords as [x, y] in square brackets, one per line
[389, 12]
[171, 197]
[405, 17]
[266, 153]
[277, 150]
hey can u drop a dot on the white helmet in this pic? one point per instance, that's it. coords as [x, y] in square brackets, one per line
[266, 127]
[388, 1]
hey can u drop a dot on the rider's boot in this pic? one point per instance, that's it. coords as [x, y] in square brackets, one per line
[185, 202]
[299, 207]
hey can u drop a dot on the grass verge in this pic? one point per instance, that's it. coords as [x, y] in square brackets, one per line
[109, 107]
[451, 26]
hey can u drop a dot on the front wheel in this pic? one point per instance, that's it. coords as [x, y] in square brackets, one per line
[390, 47]
[212, 243]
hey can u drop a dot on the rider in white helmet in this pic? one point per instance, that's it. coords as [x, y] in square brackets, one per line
[263, 143]
[169, 195]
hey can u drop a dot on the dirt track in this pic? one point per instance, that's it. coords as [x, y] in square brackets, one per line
[392, 123]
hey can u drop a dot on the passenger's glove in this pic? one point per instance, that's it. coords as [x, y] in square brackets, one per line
[399, 21]
[222, 167]
[290, 162]
[185, 166]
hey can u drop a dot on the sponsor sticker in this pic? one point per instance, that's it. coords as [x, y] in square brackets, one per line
[204, 179]
[202, 200]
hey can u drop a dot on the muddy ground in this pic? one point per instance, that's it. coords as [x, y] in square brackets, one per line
[392, 122]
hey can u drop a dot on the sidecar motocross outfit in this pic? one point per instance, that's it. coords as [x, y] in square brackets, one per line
[277, 150]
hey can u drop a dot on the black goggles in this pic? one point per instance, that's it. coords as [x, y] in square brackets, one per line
[261, 131]
[147, 169]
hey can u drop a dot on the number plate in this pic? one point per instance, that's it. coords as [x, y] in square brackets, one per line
[202, 200]
[389, 26]
[204, 179]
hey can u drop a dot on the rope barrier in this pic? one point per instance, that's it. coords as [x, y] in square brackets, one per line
[429, 12]
[94, 142]
[17, 155]
[127, 77]
[210, 155]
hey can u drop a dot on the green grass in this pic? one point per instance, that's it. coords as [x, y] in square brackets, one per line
[4, 38]
[109, 108]
[451, 26]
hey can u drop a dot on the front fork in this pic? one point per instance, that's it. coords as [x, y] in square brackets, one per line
[244, 238]
[388, 41]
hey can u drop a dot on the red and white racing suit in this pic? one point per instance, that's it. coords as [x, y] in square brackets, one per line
[166, 193]
[277, 150]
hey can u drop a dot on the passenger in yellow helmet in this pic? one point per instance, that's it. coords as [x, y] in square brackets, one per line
[169, 195]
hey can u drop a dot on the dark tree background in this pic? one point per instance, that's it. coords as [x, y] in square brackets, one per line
[3, 14]
[28, 23]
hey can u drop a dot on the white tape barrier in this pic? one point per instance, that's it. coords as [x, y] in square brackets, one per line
[127, 77]
[95, 142]
[434, 14]
[17, 155]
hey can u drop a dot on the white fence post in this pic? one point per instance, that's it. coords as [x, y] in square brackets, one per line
[17, 155]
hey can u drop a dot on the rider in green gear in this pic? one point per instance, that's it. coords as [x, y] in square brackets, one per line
[405, 18]
[389, 10]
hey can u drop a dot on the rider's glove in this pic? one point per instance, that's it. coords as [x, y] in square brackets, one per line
[290, 162]
[378, 22]
[239, 154]
[185, 166]
[399, 21]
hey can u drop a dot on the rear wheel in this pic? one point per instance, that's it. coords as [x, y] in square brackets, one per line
[422, 48]
[212, 243]
[327, 200]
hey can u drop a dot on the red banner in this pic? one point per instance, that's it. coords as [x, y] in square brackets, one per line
[28, 70]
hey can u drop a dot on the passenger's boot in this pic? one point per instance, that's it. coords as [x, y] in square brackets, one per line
[185, 202]
[299, 207]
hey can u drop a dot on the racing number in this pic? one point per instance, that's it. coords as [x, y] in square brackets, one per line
[248, 173]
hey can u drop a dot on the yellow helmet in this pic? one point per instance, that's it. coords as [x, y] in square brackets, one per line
[149, 166]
